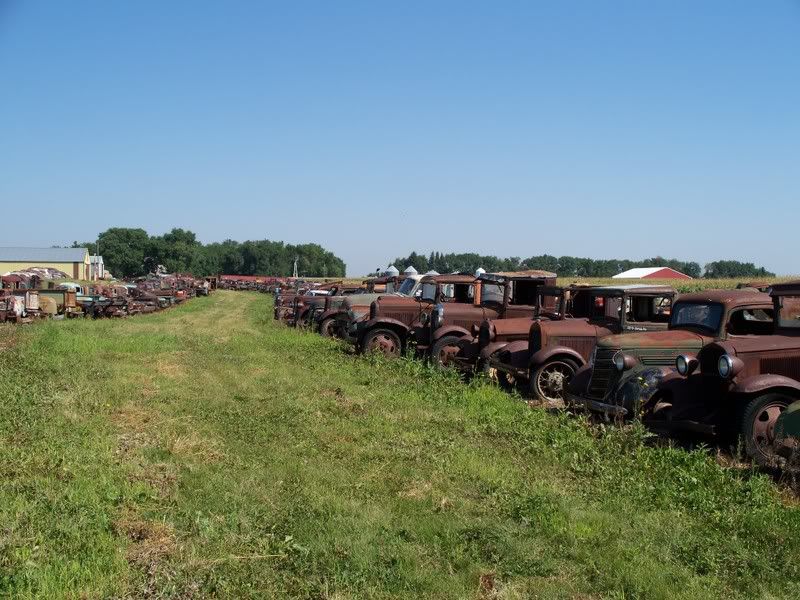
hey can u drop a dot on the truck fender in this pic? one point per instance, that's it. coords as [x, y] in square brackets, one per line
[450, 330]
[639, 386]
[491, 348]
[328, 314]
[384, 323]
[579, 383]
[548, 352]
[762, 383]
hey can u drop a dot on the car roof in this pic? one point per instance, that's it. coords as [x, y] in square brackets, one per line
[738, 297]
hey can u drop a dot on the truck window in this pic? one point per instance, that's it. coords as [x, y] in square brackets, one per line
[789, 311]
[750, 321]
[647, 309]
[524, 293]
[491, 293]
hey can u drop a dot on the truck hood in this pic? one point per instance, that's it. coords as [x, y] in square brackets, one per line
[673, 339]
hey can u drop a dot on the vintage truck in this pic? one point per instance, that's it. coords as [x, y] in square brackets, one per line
[453, 331]
[286, 303]
[395, 322]
[737, 386]
[626, 369]
[556, 348]
[324, 317]
[356, 308]
[305, 306]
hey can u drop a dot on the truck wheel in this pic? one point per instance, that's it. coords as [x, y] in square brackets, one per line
[758, 427]
[385, 341]
[328, 327]
[549, 382]
[445, 350]
[506, 381]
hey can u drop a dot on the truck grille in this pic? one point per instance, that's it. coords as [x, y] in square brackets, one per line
[604, 375]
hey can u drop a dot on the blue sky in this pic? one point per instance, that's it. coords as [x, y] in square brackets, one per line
[602, 129]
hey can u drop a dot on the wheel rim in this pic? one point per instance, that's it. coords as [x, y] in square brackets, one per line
[384, 343]
[327, 328]
[763, 435]
[552, 380]
[447, 355]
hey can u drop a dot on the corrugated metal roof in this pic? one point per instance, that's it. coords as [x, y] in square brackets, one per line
[43, 255]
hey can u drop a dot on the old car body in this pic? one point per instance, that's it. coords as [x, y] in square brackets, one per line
[324, 317]
[555, 349]
[737, 386]
[396, 321]
[305, 306]
[453, 330]
[627, 369]
[356, 308]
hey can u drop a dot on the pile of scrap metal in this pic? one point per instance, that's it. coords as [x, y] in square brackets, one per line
[253, 283]
[24, 298]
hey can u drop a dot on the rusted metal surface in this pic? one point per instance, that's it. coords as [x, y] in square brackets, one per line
[700, 321]
[738, 384]
[397, 321]
[557, 347]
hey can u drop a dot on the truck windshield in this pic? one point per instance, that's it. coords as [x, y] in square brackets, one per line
[696, 314]
[491, 294]
[407, 287]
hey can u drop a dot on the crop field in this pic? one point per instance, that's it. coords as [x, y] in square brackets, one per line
[681, 285]
[207, 451]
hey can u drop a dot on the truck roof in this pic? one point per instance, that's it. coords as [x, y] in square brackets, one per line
[632, 289]
[740, 297]
[506, 275]
[788, 288]
[450, 278]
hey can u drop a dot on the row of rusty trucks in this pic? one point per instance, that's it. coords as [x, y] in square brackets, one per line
[19, 304]
[722, 363]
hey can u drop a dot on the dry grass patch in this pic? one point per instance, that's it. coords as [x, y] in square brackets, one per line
[150, 541]
[195, 448]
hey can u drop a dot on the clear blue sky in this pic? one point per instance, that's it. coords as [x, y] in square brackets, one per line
[602, 129]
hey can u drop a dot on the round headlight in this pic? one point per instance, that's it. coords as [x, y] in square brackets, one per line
[682, 364]
[725, 366]
[619, 361]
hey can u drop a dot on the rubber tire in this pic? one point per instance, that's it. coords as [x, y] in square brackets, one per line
[328, 327]
[749, 415]
[436, 349]
[371, 335]
[533, 386]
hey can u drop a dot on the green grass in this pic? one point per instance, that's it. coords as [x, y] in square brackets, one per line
[207, 451]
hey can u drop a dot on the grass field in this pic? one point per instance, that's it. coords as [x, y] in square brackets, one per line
[207, 451]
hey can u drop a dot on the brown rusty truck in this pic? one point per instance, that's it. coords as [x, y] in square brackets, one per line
[554, 350]
[452, 331]
[622, 363]
[733, 387]
[395, 322]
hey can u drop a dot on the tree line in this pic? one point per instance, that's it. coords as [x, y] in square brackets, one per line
[572, 266]
[131, 252]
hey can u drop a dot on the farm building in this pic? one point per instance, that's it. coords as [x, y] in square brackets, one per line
[72, 261]
[652, 273]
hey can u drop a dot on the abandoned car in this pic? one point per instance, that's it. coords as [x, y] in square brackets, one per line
[555, 349]
[622, 378]
[453, 330]
[396, 321]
